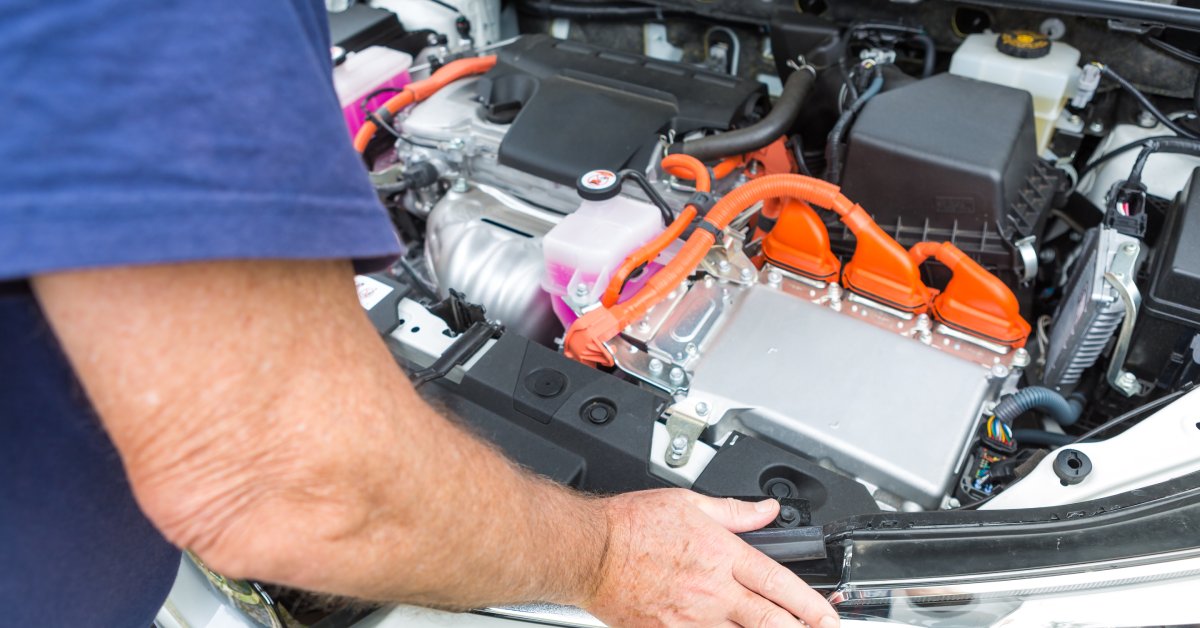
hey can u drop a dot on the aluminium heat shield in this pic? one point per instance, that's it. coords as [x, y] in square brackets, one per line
[1089, 314]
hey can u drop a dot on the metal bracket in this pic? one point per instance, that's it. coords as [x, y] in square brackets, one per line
[1027, 252]
[727, 261]
[683, 429]
[1120, 276]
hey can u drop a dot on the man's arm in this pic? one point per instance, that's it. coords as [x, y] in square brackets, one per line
[264, 425]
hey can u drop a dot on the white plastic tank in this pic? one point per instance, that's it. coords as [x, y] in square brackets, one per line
[1029, 61]
[586, 247]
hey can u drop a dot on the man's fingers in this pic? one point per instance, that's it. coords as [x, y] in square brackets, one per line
[736, 515]
[772, 581]
[753, 611]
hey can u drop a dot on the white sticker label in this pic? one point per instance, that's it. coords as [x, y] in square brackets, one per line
[370, 291]
[599, 179]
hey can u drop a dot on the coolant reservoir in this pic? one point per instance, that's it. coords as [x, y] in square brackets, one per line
[1029, 61]
[584, 249]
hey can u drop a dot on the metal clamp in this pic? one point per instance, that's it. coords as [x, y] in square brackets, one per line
[1121, 276]
[1027, 252]
[685, 424]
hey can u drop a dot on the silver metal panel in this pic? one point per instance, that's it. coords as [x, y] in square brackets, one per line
[1089, 313]
[875, 403]
[488, 245]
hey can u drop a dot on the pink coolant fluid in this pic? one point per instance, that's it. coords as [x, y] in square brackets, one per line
[585, 248]
[364, 72]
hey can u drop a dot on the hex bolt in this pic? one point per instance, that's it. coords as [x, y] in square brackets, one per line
[457, 143]
[723, 266]
[676, 375]
[701, 408]
[999, 371]
[656, 366]
[1146, 120]
[460, 185]
[747, 274]
[1127, 380]
[774, 278]
[1130, 249]
[922, 321]
[678, 447]
[1020, 358]
[581, 290]
[1096, 127]
[834, 292]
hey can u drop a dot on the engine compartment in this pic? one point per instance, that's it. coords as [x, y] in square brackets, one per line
[949, 245]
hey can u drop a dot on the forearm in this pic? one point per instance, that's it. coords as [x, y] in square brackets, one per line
[264, 425]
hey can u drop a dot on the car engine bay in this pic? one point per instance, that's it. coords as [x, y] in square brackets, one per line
[862, 256]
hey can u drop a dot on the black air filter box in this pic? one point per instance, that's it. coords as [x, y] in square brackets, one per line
[951, 159]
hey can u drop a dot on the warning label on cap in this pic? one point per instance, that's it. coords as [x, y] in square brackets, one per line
[599, 179]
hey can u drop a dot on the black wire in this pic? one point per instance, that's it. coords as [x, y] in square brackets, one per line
[1138, 411]
[797, 145]
[1173, 50]
[667, 215]
[447, 5]
[1146, 104]
[1121, 150]
[418, 282]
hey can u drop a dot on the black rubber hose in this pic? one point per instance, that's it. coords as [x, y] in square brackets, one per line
[663, 208]
[1042, 437]
[1064, 411]
[590, 11]
[761, 133]
[833, 147]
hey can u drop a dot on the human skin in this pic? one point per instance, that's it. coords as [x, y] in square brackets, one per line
[264, 425]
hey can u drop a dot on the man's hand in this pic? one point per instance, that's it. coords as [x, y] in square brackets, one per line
[673, 561]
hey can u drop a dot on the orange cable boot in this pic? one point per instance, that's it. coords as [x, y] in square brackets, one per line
[975, 301]
[799, 242]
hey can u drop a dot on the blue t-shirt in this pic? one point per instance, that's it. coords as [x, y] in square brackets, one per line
[137, 132]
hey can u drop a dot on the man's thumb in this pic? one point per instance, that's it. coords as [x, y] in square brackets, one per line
[737, 515]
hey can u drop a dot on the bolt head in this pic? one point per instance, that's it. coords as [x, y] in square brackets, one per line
[1096, 127]
[1127, 379]
[1130, 248]
[581, 290]
[676, 375]
[774, 278]
[1020, 357]
[723, 266]
[702, 408]
[656, 366]
[999, 371]
[747, 273]
[679, 443]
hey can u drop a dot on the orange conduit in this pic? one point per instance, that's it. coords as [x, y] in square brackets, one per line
[679, 163]
[420, 90]
[879, 263]
[720, 171]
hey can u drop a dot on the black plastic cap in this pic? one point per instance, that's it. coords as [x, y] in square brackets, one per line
[598, 185]
[1072, 466]
[1023, 44]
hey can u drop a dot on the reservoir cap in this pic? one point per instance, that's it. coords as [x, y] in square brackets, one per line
[598, 185]
[1023, 44]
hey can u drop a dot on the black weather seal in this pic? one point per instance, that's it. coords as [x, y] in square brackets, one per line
[1130, 10]
[1137, 523]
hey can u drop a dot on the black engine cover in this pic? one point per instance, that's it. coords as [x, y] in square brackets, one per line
[576, 107]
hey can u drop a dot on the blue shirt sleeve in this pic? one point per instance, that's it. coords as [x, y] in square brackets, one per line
[152, 131]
